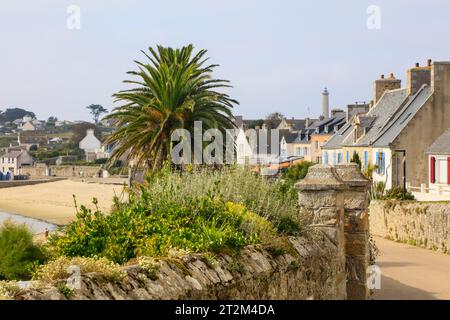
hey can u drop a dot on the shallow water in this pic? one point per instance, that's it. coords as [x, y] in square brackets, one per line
[36, 226]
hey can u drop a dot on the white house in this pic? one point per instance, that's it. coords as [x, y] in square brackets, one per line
[439, 165]
[255, 147]
[90, 145]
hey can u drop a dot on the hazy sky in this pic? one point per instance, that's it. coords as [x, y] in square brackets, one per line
[279, 55]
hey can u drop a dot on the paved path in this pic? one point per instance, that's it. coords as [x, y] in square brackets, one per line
[409, 272]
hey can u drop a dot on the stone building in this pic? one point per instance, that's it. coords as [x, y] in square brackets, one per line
[13, 159]
[401, 122]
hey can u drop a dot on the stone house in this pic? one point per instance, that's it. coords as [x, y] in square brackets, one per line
[13, 159]
[438, 155]
[400, 122]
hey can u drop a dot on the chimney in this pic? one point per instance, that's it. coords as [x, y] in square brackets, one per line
[381, 85]
[325, 104]
[417, 77]
[335, 112]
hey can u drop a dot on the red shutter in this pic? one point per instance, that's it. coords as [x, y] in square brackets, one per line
[432, 170]
[448, 170]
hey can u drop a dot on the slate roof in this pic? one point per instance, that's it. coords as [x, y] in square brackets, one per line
[338, 138]
[441, 145]
[327, 126]
[397, 123]
[11, 154]
[386, 108]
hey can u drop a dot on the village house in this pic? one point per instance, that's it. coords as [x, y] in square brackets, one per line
[439, 165]
[12, 160]
[389, 132]
[90, 145]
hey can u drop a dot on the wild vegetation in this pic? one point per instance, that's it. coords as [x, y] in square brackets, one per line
[196, 211]
[18, 253]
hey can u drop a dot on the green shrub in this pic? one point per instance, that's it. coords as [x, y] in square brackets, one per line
[273, 200]
[297, 172]
[18, 253]
[151, 226]
[397, 194]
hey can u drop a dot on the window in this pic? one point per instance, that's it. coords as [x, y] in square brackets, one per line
[339, 158]
[298, 151]
[334, 158]
[325, 157]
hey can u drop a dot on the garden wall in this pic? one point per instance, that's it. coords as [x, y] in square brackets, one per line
[425, 224]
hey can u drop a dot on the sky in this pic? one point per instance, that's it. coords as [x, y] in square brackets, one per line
[278, 55]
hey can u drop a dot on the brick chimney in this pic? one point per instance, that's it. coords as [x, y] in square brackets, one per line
[417, 77]
[383, 84]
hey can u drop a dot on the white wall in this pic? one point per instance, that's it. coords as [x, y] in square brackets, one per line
[387, 177]
[90, 143]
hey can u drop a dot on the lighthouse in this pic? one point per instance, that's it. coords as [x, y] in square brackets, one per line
[325, 104]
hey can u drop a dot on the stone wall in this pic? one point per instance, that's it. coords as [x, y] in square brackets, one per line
[308, 272]
[329, 262]
[67, 171]
[425, 224]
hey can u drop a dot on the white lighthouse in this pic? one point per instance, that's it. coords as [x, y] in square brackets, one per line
[325, 104]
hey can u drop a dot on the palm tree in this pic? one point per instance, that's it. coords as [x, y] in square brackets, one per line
[174, 89]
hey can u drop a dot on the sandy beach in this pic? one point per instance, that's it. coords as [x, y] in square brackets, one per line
[53, 201]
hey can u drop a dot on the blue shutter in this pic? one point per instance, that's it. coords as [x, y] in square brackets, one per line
[365, 159]
[377, 162]
[382, 164]
[325, 157]
[346, 157]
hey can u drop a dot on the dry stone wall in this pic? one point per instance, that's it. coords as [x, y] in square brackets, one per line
[425, 224]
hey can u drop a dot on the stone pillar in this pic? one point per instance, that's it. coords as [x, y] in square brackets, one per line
[321, 197]
[356, 228]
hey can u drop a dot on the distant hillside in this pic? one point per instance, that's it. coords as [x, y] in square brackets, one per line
[12, 114]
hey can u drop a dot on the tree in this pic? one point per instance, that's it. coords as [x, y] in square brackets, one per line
[356, 159]
[96, 110]
[256, 123]
[174, 89]
[273, 119]
[12, 114]
[79, 131]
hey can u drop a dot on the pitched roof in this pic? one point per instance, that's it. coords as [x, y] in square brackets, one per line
[441, 145]
[339, 137]
[385, 110]
[397, 123]
[12, 154]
